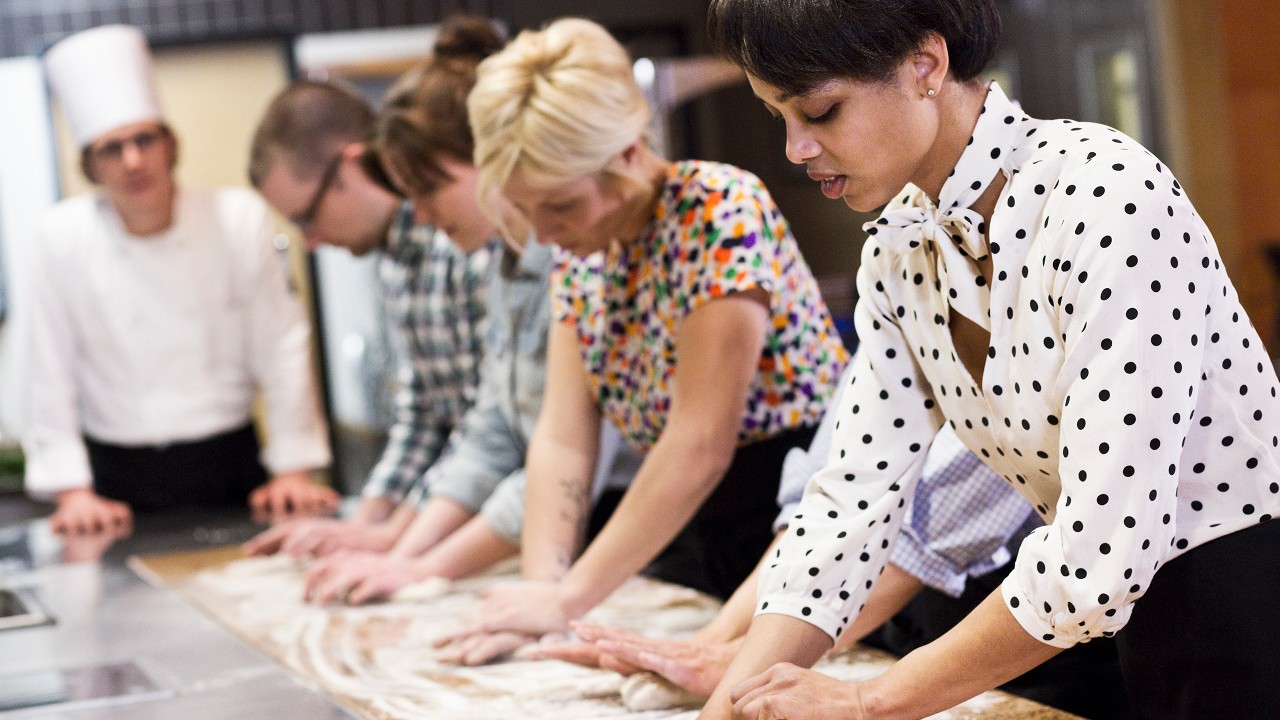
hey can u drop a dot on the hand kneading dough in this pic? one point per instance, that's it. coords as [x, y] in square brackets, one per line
[428, 589]
[261, 565]
[647, 691]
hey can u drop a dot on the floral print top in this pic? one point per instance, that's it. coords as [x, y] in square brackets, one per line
[715, 231]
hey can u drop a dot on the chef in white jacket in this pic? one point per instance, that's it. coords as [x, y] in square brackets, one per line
[158, 315]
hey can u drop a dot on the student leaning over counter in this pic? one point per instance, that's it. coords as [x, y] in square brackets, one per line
[1047, 289]
[683, 313]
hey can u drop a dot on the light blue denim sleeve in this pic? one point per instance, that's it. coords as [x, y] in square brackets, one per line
[482, 453]
[504, 510]
[491, 442]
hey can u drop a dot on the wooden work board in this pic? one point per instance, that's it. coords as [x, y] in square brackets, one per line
[377, 660]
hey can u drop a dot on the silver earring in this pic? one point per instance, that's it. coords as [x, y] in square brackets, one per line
[931, 92]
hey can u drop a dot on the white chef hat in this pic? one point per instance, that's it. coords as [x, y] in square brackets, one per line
[103, 79]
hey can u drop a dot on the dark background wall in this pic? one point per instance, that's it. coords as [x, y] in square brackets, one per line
[1042, 58]
[27, 26]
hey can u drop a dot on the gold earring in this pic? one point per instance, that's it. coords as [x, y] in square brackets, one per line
[931, 92]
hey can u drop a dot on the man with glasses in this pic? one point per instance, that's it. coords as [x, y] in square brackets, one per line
[159, 314]
[308, 160]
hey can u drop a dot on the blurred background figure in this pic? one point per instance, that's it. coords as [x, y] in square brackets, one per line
[158, 315]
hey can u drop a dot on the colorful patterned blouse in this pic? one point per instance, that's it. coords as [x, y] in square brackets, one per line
[715, 231]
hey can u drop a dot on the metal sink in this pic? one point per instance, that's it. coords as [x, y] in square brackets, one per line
[19, 608]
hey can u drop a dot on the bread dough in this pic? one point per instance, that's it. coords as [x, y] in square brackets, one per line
[646, 691]
[261, 565]
[423, 591]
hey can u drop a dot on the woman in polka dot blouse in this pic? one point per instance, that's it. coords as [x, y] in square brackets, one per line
[683, 314]
[1046, 289]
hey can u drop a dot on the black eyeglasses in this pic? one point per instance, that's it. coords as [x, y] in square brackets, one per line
[308, 215]
[113, 150]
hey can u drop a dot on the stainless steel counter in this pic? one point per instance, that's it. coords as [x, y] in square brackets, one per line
[105, 614]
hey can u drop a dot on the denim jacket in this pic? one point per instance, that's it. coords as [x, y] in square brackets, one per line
[483, 469]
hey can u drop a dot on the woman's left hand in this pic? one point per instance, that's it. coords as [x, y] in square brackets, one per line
[791, 692]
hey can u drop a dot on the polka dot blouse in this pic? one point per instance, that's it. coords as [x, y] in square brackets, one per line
[1125, 394]
[715, 231]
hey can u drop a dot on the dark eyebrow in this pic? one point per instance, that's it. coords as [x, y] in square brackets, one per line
[786, 95]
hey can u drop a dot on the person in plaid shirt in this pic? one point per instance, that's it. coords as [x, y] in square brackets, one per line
[308, 161]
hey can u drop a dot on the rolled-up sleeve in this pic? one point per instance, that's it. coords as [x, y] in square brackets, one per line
[1130, 378]
[963, 519]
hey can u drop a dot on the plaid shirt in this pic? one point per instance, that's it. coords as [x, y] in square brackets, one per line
[965, 520]
[434, 297]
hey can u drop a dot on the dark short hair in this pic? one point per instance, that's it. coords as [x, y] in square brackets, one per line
[796, 45]
[305, 125]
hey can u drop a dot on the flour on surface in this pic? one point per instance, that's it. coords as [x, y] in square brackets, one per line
[378, 659]
[422, 591]
[647, 691]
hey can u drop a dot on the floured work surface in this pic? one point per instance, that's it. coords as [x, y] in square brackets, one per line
[377, 660]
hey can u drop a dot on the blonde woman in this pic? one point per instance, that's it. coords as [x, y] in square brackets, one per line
[683, 314]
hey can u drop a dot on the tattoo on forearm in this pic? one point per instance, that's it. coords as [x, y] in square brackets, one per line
[575, 501]
[564, 561]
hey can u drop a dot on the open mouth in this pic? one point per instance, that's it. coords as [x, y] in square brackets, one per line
[833, 187]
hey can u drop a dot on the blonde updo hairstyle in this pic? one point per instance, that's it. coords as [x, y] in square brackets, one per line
[556, 105]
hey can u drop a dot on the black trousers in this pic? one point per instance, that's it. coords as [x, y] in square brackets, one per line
[1084, 680]
[1204, 641]
[721, 545]
[218, 471]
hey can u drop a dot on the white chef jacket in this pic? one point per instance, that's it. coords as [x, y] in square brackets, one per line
[164, 339]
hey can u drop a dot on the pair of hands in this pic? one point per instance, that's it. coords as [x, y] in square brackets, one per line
[788, 692]
[82, 511]
[783, 691]
[698, 666]
[352, 565]
[695, 665]
[357, 577]
[320, 537]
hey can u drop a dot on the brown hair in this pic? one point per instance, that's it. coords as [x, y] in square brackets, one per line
[425, 113]
[306, 125]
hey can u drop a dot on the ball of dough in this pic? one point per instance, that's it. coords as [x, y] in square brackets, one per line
[646, 691]
[423, 591]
